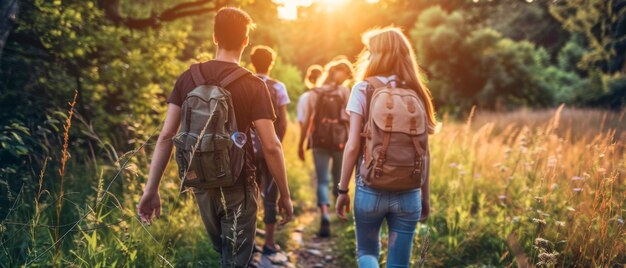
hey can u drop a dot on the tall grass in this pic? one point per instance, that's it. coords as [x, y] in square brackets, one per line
[97, 225]
[542, 188]
[539, 187]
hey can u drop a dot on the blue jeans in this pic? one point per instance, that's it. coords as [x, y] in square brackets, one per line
[402, 211]
[321, 158]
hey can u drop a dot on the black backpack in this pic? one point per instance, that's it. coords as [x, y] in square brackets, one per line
[330, 129]
[256, 142]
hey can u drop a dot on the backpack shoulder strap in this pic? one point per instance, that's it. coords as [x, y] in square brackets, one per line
[373, 83]
[232, 77]
[271, 83]
[196, 75]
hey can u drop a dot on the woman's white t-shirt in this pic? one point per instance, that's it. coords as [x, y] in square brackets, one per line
[357, 103]
[302, 106]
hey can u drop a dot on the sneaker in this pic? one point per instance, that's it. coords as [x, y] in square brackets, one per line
[269, 251]
[275, 256]
[325, 227]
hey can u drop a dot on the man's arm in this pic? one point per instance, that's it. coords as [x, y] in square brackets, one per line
[150, 202]
[282, 122]
[273, 153]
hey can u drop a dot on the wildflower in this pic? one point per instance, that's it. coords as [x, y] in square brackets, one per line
[601, 155]
[528, 165]
[501, 197]
[551, 162]
[523, 149]
[577, 178]
[541, 242]
[620, 220]
[477, 176]
[578, 190]
[547, 258]
[516, 219]
[462, 172]
[554, 186]
[503, 168]
[539, 221]
[560, 223]
[453, 165]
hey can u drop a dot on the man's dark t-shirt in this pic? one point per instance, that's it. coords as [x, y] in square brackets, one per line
[250, 97]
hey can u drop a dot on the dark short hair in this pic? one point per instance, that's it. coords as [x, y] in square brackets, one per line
[342, 64]
[231, 27]
[262, 58]
[313, 73]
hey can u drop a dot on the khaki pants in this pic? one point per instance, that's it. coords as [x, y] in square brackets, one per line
[234, 242]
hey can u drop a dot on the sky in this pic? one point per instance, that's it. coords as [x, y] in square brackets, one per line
[288, 9]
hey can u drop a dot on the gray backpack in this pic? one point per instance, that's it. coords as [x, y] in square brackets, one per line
[209, 149]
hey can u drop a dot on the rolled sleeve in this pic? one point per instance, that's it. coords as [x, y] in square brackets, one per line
[357, 101]
[302, 106]
[282, 94]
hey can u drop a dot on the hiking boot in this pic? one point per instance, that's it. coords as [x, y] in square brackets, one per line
[274, 255]
[324, 227]
[269, 251]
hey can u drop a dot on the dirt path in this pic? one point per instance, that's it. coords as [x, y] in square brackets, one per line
[307, 250]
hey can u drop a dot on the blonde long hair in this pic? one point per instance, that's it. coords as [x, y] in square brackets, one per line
[388, 52]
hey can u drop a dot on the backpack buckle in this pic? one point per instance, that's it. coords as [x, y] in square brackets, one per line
[378, 172]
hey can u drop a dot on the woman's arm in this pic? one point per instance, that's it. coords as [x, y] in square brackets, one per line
[305, 125]
[350, 156]
[426, 188]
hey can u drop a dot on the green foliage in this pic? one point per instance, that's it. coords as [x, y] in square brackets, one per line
[487, 69]
[292, 77]
[603, 24]
[494, 54]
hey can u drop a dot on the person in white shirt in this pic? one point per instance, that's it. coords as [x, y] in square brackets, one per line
[390, 62]
[325, 125]
[263, 58]
[313, 73]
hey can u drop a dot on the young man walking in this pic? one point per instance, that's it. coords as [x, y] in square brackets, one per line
[262, 58]
[251, 104]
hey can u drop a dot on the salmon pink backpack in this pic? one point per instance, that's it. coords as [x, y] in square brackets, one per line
[396, 155]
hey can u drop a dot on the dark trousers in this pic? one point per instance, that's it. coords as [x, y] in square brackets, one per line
[229, 216]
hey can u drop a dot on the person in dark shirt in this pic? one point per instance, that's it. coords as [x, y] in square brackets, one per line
[252, 104]
[262, 58]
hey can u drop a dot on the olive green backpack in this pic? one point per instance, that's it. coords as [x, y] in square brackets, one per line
[209, 149]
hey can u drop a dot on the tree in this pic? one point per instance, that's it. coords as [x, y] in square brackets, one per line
[470, 66]
[603, 23]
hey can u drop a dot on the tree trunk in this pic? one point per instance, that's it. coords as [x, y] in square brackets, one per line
[8, 11]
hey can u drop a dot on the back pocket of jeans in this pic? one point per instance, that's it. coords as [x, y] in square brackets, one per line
[365, 202]
[410, 202]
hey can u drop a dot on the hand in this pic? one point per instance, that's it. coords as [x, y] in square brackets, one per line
[149, 204]
[425, 211]
[343, 202]
[284, 206]
[301, 153]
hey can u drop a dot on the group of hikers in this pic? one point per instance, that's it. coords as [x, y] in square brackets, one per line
[227, 125]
